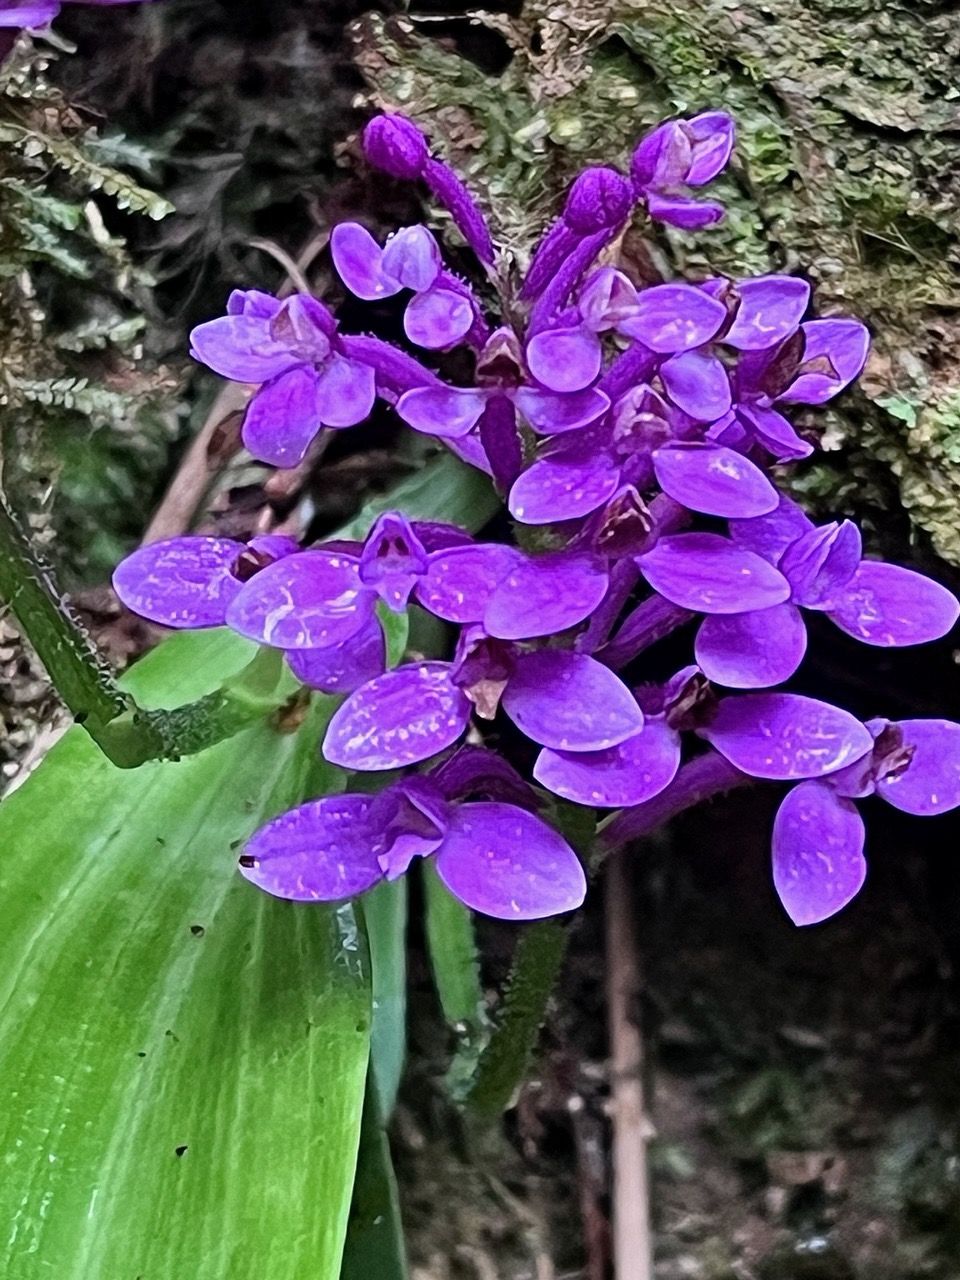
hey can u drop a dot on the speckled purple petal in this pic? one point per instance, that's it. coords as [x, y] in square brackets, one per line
[752, 650]
[242, 348]
[324, 851]
[358, 260]
[841, 347]
[891, 607]
[563, 486]
[712, 479]
[437, 318]
[674, 317]
[551, 413]
[785, 735]
[412, 257]
[180, 582]
[393, 559]
[346, 390]
[507, 863]
[698, 385]
[631, 773]
[442, 411]
[818, 864]
[684, 213]
[774, 432]
[344, 667]
[570, 702]
[543, 595]
[607, 299]
[709, 574]
[771, 308]
[398, 719]
[565, 359]
[308, 601]
[820, 564]
[770, 535]
[282, 418]
[931, 782]
[460, 581]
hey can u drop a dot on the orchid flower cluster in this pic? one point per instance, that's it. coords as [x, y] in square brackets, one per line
[635, 433]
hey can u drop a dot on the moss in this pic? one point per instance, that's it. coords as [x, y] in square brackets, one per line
[848, 171]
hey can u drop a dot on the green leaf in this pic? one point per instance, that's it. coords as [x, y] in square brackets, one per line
[445, 490]
[385, 918]
[375, 1247]
[453, 955]
[183, 1057]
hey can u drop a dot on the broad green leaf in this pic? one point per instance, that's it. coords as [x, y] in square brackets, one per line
[183, 1057]
[444, 490]
[375, 1246]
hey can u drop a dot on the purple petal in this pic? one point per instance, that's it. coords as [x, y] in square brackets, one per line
[359, 262]
[564, 359]
[675, 317]
[770, 535]
[834, 353]
[712, 135]
[891, 607]
[442, 411]
[570, 702]
[346, 391]
[783, 736]
[821, 563]
[398, 719]
[253, 302]
[551, 413]
[717, 481]
[563, 486]
[698, 385]
[631, 773]
[181, 582]
[309, 601]
[459, 582]
[242, 348]
[393, 560]
[282, 418]
[774, 432]
[324, 851]
[710, 574]
[507, 863]
[770, 309]
[412, 257]
[931, 782]
[752, 650]
[607, 299]
[437, 318]
[31, 15]
[543, 595]
[682, 212]
[344, 667]
[818, 864]
[662, 157]
[502, 443]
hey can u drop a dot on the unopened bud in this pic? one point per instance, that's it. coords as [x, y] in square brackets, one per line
[396, 145]
[599, 199]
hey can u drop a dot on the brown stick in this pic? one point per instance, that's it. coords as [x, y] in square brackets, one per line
[632, 1244]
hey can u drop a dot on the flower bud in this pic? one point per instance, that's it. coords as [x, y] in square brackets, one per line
[599, 199]
[395, 145]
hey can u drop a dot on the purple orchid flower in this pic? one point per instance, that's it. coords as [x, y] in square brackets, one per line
[567, 701]
[326, 595]
[681, 154]
[880, 604]
[497, 858]
[818, 836]
[809, 367]
[442, 311]
[292, 350]
[191, 582]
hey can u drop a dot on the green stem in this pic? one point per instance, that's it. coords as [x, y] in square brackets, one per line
[503, 1063]
[126, 733]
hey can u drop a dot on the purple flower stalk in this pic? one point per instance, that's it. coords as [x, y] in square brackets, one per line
[638, 428]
